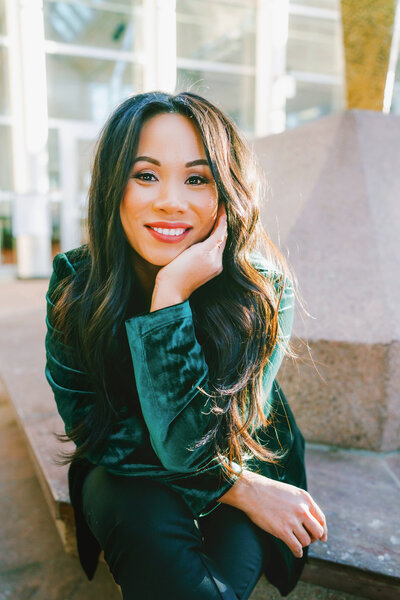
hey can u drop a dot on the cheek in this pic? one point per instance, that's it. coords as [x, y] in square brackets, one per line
[128, 218]
[128, 209]
[123, 213]
[210, 210]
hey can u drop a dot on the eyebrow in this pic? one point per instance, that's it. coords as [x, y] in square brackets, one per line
[192, 163]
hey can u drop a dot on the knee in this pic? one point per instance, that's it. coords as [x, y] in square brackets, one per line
[140, 510]
[154, 531]
[153, 516]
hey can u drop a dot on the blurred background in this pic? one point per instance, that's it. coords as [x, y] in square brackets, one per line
[271, 65]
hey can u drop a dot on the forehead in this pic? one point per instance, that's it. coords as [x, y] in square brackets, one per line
[171, 134]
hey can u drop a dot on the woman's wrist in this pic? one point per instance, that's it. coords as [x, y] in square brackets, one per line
[164, 296]
[239, 495]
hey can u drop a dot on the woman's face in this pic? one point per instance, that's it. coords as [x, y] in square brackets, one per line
[171, 199]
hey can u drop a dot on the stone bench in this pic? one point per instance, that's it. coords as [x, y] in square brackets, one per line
[359, 491]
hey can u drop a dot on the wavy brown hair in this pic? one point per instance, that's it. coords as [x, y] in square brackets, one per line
[235, 313]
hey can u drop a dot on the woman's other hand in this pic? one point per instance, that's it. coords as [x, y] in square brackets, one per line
[192, 268]
[284, 510]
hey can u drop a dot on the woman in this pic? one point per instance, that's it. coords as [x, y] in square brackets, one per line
[165, 335]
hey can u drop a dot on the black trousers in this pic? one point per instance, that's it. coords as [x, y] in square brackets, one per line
[156, 550]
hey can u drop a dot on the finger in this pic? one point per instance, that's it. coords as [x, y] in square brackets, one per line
[221, 244]
[317, 512]
[313, 527]
[221, 222]
[324, 538]
[302, 535]
[221, 210]
[218, 235]
[221, 213]
[222, 239]
[294, 545]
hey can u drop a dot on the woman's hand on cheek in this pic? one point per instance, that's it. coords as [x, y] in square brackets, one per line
[192, 268]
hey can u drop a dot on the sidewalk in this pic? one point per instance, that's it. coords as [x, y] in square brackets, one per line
[33, 563]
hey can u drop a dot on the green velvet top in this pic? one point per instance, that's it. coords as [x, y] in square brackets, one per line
[153, 381]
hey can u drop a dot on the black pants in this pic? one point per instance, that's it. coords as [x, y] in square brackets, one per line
[156, 550]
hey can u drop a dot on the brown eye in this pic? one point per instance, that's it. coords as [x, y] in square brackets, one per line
[144, 176]
[199, 179]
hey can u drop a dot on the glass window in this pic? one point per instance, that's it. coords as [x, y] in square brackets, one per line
[312, 101]
[85, 155]
[4, 82]
[2, 17]
[314, 45]
[217, 31]
[81, 161]
[327, 4]
[85, 149]
[55, 210]
[55, 199]
[314, 56]
[234, 94]
[6, 162]
[6, 186]
[7, 253]
[82, 24]
[88, 89]
[54, 160]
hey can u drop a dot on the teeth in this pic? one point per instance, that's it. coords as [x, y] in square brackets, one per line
[168, 231]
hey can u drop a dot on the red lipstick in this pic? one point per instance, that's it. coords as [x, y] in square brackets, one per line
[169, 224]
[168, 238]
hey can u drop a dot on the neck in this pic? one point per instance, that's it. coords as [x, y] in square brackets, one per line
[146, 274]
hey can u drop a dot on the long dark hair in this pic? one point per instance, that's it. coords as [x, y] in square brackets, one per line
[239, 304]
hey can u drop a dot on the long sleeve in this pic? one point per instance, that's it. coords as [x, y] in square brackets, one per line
[169, 364]
[285, 326]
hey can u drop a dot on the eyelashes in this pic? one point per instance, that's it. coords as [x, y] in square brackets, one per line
[200, 177]
[140, 175]
[145, 177]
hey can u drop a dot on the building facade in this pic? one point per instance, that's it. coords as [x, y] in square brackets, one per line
[66, 64]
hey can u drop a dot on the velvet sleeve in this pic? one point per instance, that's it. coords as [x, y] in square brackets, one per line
[170, 366]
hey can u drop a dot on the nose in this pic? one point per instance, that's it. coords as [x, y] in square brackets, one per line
[170, 200]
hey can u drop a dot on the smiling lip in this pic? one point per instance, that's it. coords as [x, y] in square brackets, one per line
[169, 239]
[169, 224]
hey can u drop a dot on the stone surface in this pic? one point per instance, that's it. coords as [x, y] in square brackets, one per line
[392, 464]
[367, 36]
[22, 360]
[332, 206]
[336, 391]
[360, 497]
[33, 562]
[354, 582]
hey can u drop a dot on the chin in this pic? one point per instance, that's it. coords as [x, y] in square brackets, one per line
[165, 261]
[159, 259]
